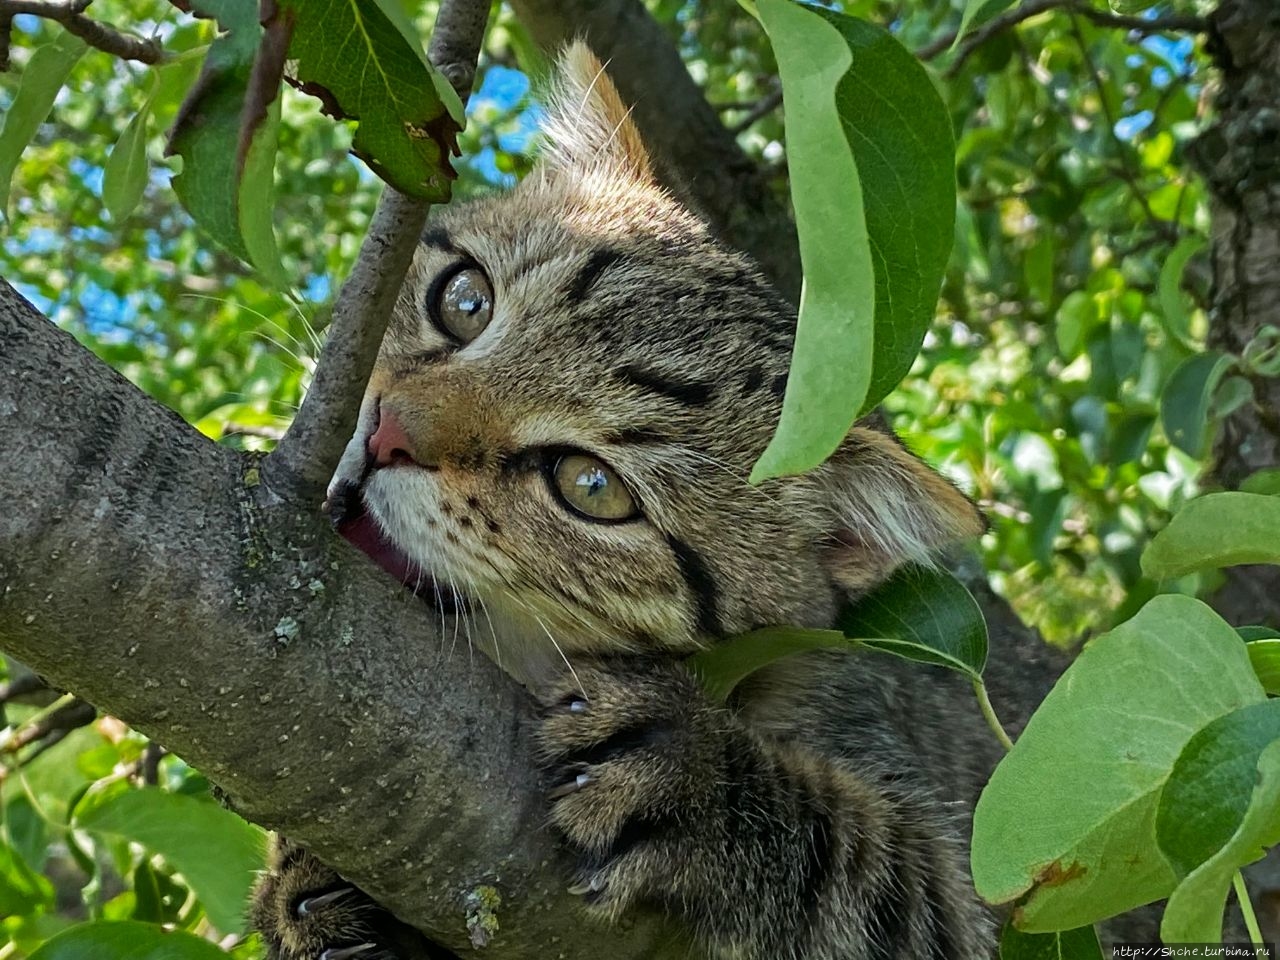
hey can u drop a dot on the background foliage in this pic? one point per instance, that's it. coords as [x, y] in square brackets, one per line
[1064, 382]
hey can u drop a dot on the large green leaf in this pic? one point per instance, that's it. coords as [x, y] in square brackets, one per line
[227, 190]
[1078, 944]
[363, 66]
[1194, 911]
[871, 159]
[1210, 786]
[902, 141]
[918, 614]
[1066, 824]
[126, 940]
[1216, 530]
[1187, 400]
[922, 615]
[218, 853]
[41, 80]
[831, 366]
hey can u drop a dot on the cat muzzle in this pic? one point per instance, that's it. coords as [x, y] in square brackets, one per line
[355, 524]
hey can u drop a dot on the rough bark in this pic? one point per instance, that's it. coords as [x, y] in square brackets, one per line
[697, 157]
[151, 572]
[1239, 155]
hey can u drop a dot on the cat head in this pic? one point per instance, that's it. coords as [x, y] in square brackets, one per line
[576, 382]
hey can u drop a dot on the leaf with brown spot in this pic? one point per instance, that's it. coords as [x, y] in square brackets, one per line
[1054, 875]
[365, 67]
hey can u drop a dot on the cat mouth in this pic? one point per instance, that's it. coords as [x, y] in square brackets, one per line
[357, 525]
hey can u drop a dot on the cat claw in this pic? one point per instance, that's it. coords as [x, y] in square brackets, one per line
[345, 953]
[311, 904]
[594, 885]
[573, 786]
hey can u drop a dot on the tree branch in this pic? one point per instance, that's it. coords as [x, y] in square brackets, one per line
[149, 571]
[698, 159]
[301, 465]
[1140, 26]
[70, 13]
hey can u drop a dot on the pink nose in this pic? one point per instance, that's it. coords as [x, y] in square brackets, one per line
[389, 443]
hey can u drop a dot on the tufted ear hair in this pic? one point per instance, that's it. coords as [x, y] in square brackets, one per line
[588, 127]
[886, 508]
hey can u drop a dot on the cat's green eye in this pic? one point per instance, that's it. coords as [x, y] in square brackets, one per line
[463, 304]
[590, 487]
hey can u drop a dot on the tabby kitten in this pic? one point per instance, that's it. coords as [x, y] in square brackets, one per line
[556, 441]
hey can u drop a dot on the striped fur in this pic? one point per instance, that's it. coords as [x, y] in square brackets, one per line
[814, 817]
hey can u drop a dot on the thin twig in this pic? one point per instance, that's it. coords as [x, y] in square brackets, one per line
[1126, 173]
[301, 465]
[1139, 26]
[761, 108]
[71, 15]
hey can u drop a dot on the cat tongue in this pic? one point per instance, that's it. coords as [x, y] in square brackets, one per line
[363, 533]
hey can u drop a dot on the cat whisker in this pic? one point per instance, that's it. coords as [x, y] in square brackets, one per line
[304, 364]
[573, 672]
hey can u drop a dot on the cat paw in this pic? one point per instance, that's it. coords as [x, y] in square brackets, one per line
[306, 911]
[634, 752]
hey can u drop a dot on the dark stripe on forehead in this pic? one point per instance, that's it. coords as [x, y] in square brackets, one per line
[691, 393]
[438, 238]
[639, 435]
[596, 264]
[701, 584]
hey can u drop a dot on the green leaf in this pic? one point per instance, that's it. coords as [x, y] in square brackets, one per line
[1078, 944]
[1131, 6]
[872, 162]
[126, 940]
[1208, 792]
[41, 80]
[22, 890]
[1194, 911]
[1250, 634]
[1265, 481]
[356, 59]
[232, 203]
[217, 852]
[727, 664]
[1067, 821]
[1187, 399]
[918, 614]
[1265, 657]
[1216, 530]
[979, 11]
[125, 176]
[831, 366]
[922, 615]
[1173, 306]
[1078, 314]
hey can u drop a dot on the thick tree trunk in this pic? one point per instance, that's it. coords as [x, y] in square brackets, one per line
[1239, 155]
[1240, 158]
[155, 574]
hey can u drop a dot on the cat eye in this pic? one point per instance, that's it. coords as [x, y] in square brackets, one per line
[462, 305]
[590, 487]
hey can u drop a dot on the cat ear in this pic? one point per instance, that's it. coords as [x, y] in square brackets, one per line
[888, 508]
[588, 127]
